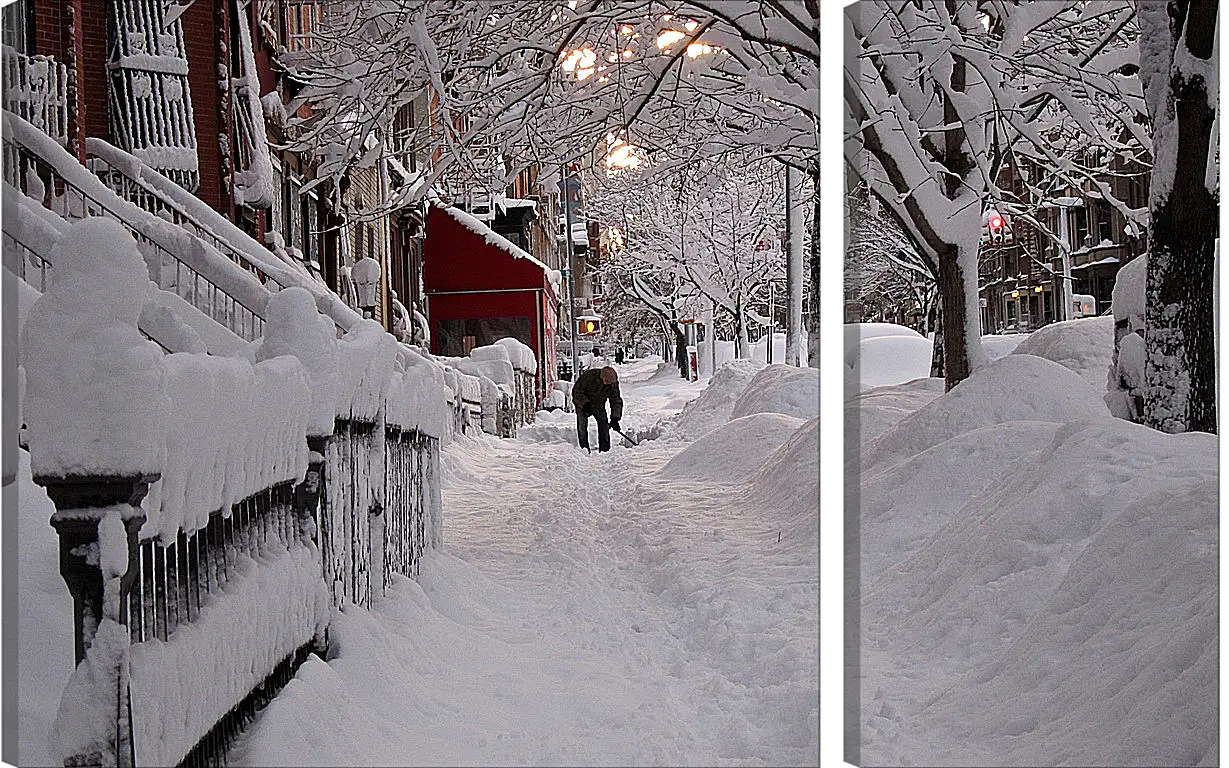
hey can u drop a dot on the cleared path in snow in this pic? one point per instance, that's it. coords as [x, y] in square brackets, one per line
[584, 610]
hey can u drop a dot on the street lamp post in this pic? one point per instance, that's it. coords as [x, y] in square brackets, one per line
[570, 271]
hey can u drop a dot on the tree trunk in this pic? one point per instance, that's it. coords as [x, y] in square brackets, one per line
[936, 355]
[953, 319]
[680, 351]
[1180, 366]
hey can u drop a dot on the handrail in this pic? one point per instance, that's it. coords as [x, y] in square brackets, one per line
[148, 188]
[204, 293]
[146, 196]
[38, 262]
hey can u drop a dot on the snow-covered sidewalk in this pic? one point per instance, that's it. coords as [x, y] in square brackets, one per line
[586, 609]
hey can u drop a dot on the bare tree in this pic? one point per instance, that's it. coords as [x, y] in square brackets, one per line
[941, 94]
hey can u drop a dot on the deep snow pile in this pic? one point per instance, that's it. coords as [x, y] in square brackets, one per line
[856, 333]
[870, 413]
[585, 609]
[886, 360]
[1086, 346]
[1038, 580]
[1012, 388]
[728, 453]
[716, 402]
[780, 389]
[44, 625]
[883, 354]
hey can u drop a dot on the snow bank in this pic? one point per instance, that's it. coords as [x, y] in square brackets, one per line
[781, 389]
[1012, 388]
[728, 453]
[871, 413]
[95, 388]
[856, 333]
[788, 479]
[44, 621]
[715, 403]
[1051, 591]
[181, 687]
[997, 345]
[883, 360]
[1086, 346]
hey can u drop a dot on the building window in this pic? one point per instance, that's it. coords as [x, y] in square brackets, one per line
[303, 17]
[309, 225]
[16, 27]
[294, 217]
[403, 136]
[1080, 227]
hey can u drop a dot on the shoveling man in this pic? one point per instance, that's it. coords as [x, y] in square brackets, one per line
[589, 394]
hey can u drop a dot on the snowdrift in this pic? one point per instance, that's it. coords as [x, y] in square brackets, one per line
[1038, 579]
[856, 333]
[1012, 388]
[732, 451]
[715, 403]
[1086, 346]
[781, 389]
[787, 485]
[1065, 602]
[885, 360]
[869, 414]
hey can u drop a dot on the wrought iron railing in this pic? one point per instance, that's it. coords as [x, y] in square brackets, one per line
[37, 177]
[149, 198]
[36, 89]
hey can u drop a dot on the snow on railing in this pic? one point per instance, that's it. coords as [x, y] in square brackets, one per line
[36, 88]
[144, 186]
[178, 261]
[205, 505]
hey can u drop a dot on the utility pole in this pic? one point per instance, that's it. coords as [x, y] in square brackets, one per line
[772, 326]
[570, 272]
[793, 266]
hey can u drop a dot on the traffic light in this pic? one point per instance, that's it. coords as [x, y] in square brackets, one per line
[588, 326]
[997, 231]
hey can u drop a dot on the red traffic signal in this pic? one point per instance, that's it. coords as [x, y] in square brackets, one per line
[996, 222]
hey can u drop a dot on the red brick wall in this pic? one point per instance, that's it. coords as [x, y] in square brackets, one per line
[54, 35]
[201, 30]
[92, 72]
[49, 30]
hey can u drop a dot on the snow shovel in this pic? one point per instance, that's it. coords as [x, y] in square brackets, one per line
[625, 437]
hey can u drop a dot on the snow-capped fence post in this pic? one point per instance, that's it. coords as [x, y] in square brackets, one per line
[98, 570]
[308, 494]
[81, 503]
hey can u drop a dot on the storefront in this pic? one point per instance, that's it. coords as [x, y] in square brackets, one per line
[480, 287]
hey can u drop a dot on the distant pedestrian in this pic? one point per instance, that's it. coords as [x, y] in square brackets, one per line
[618, 355]
[589, 394]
